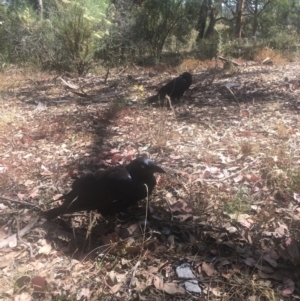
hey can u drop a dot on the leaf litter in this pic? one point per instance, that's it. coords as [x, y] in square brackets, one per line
[232, 184]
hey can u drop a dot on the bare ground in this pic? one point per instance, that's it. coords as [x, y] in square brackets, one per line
[231, 151]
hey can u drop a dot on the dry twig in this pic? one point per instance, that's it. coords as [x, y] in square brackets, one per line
[22, 232]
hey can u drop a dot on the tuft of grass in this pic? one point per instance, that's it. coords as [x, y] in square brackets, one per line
[114, 108]
[246, 148]
[240, 203]
[161, 132]
[6, 118]
[8, 115]
[282, 131]
[294, 179]
[249, 286]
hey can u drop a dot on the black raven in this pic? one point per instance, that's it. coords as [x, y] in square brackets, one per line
[110, 191]
[175, 89]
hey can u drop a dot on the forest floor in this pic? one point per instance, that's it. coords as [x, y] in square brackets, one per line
[231, 150]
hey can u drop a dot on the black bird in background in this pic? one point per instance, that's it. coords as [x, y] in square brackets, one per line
[175, 88]
[110, 191]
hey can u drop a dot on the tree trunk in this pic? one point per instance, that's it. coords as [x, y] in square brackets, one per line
[239, 20]
[211, 25]
[214, 11]
[201, 24]
[255, 18]
[41, 8]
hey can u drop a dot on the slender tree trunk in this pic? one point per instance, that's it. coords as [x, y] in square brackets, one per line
[201, 24]
[239, 20]
[41, 8]
[211, 25]
[214, 11]
[255, 18]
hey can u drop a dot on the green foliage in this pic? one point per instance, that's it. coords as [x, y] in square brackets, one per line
[294, 177]
[111, 48]
[283, 39]
[78, 27]
[286, 41]
[210, 48]
[156, 20]
[17, 28]
[244, 48]
[66, 40]
[3, 20]
[207, 49]
[73, 34]
[240, 203]
[275, 15]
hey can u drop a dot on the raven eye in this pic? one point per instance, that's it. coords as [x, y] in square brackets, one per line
[143, 166]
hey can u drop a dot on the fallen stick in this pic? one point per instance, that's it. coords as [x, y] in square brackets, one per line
[21, 233]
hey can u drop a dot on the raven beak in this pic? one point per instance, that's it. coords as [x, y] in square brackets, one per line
[155, 168]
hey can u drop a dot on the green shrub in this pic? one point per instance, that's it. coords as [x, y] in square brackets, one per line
[77, 30]
[16, 31]
[65, 40]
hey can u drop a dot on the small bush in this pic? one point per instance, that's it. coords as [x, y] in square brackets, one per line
[75, 31]
[16, 33]
[207, 49]
[240, 203]
[66, 40]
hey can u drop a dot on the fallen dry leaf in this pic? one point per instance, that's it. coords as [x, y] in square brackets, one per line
[276, 276]
[281, 230]
[271, 261]
[34, 193]
[111, 278]
[7, 259]
[116, 158]
[13, 242]
[250, 261]
[23, 297]
[173, 288]
[289, 287]
[208, 268]
[264, 269]
[116, 288]
[39, 284]
[227, 275]
[46, 249]
[183, 217]
[296, 197]
[154, 270]
[84, 293]
[158, 283]
[160, 249]
[3, 234]
[292, 248]
[216, 291]
[21, 196]
[23, 281]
